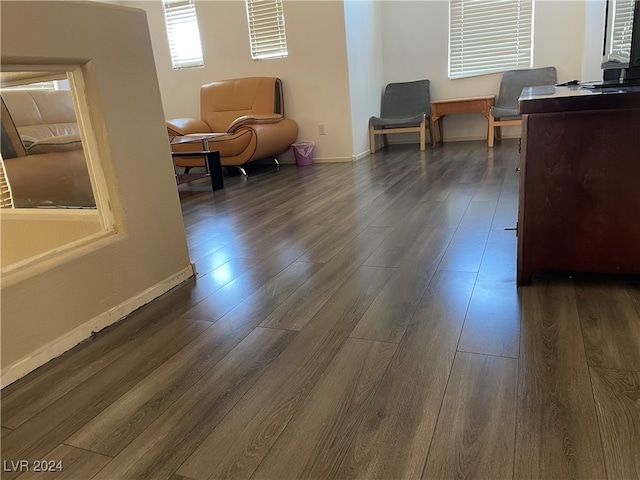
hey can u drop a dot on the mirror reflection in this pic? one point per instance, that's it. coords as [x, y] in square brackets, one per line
[47, 199]
[43, 161]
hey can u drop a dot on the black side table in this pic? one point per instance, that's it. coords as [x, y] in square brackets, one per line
[213, 167]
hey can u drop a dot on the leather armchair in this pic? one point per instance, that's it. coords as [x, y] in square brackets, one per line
[247, 116]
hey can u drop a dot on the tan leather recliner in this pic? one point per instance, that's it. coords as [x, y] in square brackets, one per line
[250, 114]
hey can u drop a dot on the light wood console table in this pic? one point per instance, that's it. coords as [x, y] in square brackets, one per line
[441, 108]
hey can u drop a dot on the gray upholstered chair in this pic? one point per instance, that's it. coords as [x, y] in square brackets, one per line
[505, 111]
[406, 107]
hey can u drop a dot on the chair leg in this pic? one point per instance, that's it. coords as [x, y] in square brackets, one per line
[491, 131]
[423, 134]
[372, 139]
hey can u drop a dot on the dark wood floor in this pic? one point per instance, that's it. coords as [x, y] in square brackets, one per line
[350, 320]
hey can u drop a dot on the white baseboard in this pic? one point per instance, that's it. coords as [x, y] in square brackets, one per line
[362, 155]
[333, 160]
[477, 138]
[72, 338]
[470, 138]
[324, 160]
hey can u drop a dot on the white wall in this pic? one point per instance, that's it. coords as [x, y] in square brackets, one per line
[595, 13]
[49, 309]
[315, 73]
[366, 73]
[415, 45]
[341, 54]
[559, 37]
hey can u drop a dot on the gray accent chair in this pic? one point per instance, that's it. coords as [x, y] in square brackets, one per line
[406, 107]
[505, 111]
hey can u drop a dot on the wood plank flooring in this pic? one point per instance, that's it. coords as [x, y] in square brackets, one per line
[349, 321]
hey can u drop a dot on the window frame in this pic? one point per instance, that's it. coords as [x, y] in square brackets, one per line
[96, 157]
[619, 28]
[267, 32]
[504, 26]
[182, 14]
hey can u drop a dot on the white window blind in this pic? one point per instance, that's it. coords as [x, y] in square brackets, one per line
[183, 33]
[6, 199]
[266, 29]
[620, 27]
[488, 36]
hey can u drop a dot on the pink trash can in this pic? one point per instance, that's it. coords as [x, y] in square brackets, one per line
[303, 153]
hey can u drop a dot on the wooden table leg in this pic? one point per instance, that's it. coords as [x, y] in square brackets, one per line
[432, 131]
[432, 127]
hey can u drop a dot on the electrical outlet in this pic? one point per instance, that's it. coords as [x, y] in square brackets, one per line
[323, 128]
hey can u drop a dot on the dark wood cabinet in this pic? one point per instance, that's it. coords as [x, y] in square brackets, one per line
[579, 207]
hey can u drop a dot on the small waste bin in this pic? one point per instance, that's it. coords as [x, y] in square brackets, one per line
[303, 151]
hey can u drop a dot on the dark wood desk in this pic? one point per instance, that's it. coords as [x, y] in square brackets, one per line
[579, 207]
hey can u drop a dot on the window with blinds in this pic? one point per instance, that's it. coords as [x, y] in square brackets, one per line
[6, 200]
[183, 33]
[266, 29]
[620, 28]
[487, 36]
